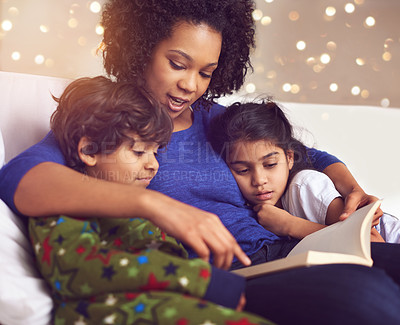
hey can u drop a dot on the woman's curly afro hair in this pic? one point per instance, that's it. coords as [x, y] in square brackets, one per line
[132, 29]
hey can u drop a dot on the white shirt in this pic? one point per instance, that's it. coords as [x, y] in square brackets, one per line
[308, 195]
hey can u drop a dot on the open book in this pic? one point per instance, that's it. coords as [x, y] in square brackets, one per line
[347, 242]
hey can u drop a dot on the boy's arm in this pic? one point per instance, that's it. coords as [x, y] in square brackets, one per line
[76, 263]
[282, 223]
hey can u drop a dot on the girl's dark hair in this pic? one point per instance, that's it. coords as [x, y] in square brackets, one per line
[253, 122]
[106, 112]
[133, 28]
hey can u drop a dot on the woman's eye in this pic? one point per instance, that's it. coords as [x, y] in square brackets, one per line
[270, 165]
[206, 75]
[175, 66]
[242, 171]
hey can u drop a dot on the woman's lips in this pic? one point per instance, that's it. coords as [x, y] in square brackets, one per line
[176, 104]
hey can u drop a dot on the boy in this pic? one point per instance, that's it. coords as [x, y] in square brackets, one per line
[111, 270]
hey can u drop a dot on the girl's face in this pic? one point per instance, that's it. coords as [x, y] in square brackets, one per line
[181, 67]
[261, 170]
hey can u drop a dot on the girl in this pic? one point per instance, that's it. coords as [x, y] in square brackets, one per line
[185, 53]
[273, 171]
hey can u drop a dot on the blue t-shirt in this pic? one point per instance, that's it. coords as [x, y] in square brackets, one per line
[191, 172]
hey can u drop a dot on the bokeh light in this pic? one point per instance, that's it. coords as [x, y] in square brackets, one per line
[6, 25]
[370, 21]
[355, 91]
[333, 87]
[250, 88]
[39, 59]
[301, 45]
[330, 11]
[294, 15]
[298, 50]
[349, 8]
[95, 7]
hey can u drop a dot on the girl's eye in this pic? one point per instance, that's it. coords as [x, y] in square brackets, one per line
[242, 171]
[175, 66]
[270, 165]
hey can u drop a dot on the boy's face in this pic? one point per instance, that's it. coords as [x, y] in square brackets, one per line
[133, 162]
[261, 170]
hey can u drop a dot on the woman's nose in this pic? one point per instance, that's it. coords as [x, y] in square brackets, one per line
[188, 83]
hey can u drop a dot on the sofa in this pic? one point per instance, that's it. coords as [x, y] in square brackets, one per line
[362, 137]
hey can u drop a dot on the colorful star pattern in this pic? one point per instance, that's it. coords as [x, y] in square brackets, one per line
[47, 251]
[104, 255]
[170, 269]
[153, 284]
[151, 278]
[204, 273]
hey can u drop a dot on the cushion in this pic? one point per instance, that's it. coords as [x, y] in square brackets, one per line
[24, 296]
[2, 154]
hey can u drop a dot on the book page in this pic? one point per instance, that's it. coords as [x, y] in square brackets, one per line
[351, 236]
[346, 242]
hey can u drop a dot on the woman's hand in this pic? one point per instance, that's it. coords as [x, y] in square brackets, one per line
[201, 230]
[357, 199]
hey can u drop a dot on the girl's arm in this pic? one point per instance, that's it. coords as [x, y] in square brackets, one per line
[282, 223]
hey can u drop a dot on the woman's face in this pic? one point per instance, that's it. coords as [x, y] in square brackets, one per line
[182, 65]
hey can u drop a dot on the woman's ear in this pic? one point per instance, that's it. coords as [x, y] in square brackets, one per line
[290, 158]
[85, 149]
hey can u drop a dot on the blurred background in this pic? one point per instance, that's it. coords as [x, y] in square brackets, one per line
[314, 51]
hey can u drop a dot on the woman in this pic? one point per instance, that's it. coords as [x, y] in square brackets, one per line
[185, 52]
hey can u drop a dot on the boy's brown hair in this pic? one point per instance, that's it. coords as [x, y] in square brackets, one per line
[105, 112]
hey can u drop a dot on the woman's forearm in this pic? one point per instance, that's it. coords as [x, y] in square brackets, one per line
[52, 189]
[344, 181]
[351, 191]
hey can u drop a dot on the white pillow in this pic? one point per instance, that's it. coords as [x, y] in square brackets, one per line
[24, 296]
[2, 153]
